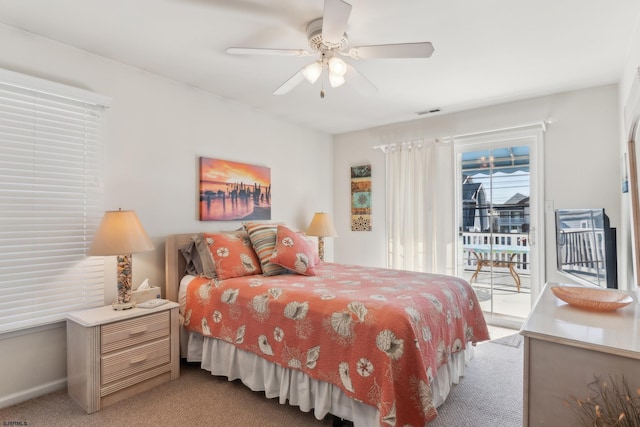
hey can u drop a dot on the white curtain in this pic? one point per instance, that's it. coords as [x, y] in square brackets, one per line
[420, 203]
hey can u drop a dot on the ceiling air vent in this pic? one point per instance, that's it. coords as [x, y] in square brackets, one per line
[422, 113]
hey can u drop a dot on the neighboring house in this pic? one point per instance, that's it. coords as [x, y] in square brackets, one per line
[475, 214]
[478, 216]
[513, 215]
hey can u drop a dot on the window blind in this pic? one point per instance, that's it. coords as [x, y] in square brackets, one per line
[51, 198]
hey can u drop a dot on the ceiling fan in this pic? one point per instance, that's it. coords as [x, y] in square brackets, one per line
[328, 40]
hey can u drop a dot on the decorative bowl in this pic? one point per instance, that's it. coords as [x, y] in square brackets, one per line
[592, 298]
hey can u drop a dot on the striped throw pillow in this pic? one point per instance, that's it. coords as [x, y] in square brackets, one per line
[263, 240]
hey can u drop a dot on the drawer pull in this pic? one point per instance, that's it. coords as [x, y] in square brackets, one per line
[138, 330]
[138, 359]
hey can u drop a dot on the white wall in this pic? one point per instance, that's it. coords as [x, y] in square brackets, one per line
[157, 129]
[630, 73]
[581, 162]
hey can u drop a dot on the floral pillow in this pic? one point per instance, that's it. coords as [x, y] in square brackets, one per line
[232, 254]
[294, 251]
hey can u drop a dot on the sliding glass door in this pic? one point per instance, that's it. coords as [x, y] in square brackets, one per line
[496, 226]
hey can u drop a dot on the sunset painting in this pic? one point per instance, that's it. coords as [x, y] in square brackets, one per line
[232, 191]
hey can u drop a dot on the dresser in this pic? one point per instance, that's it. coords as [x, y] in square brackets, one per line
[564, 347]
[112, 355]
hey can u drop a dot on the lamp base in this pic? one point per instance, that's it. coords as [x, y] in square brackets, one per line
[124, 301]
[119, 306]
[321, 248]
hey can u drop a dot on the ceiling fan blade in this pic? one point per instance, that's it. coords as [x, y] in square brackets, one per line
[359, 81]
[334, 20]
[403, 50]
[293, 81]
[261, 51]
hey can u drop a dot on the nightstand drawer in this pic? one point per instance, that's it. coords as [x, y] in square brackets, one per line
[124, 363]
[130, 332]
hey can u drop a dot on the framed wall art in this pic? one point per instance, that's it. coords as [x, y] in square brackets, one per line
[361, 198]
[233, 191]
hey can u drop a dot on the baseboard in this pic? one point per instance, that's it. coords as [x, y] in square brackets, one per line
[31, 393]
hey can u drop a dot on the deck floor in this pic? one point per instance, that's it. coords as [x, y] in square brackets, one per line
[508, 306]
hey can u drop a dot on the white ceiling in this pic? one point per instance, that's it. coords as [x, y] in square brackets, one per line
[486, 51]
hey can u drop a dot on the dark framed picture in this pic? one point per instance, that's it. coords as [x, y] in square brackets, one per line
[233, 191]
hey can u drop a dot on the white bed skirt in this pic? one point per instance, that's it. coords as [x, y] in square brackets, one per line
[222, 358]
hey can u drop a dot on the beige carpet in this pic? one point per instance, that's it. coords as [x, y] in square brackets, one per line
[195, 399]
[490, 394]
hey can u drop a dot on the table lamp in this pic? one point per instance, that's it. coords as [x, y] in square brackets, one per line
[321, 226]
[120, 233]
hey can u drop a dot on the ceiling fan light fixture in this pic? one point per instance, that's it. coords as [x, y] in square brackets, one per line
[312, 71]
[328, 40]
[337, 66]
[336, 81]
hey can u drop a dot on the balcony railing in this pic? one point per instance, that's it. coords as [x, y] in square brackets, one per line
[519, 242]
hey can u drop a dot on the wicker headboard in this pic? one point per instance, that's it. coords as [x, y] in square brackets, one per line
[175, 263]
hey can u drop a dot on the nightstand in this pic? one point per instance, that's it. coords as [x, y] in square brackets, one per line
[112, 355]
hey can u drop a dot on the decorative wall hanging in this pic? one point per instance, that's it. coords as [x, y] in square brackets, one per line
[361, 198]
[232, 191]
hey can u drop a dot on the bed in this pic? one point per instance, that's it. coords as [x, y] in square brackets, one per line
[370, 345]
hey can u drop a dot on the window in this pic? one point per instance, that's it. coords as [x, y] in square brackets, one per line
[51, 171]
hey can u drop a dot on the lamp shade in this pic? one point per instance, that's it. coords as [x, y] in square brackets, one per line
[337, 66]
[119, 233]
[312, 71]
[321, 226]
[336, 81]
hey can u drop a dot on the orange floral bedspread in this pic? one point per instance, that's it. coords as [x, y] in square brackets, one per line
[378, 334]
